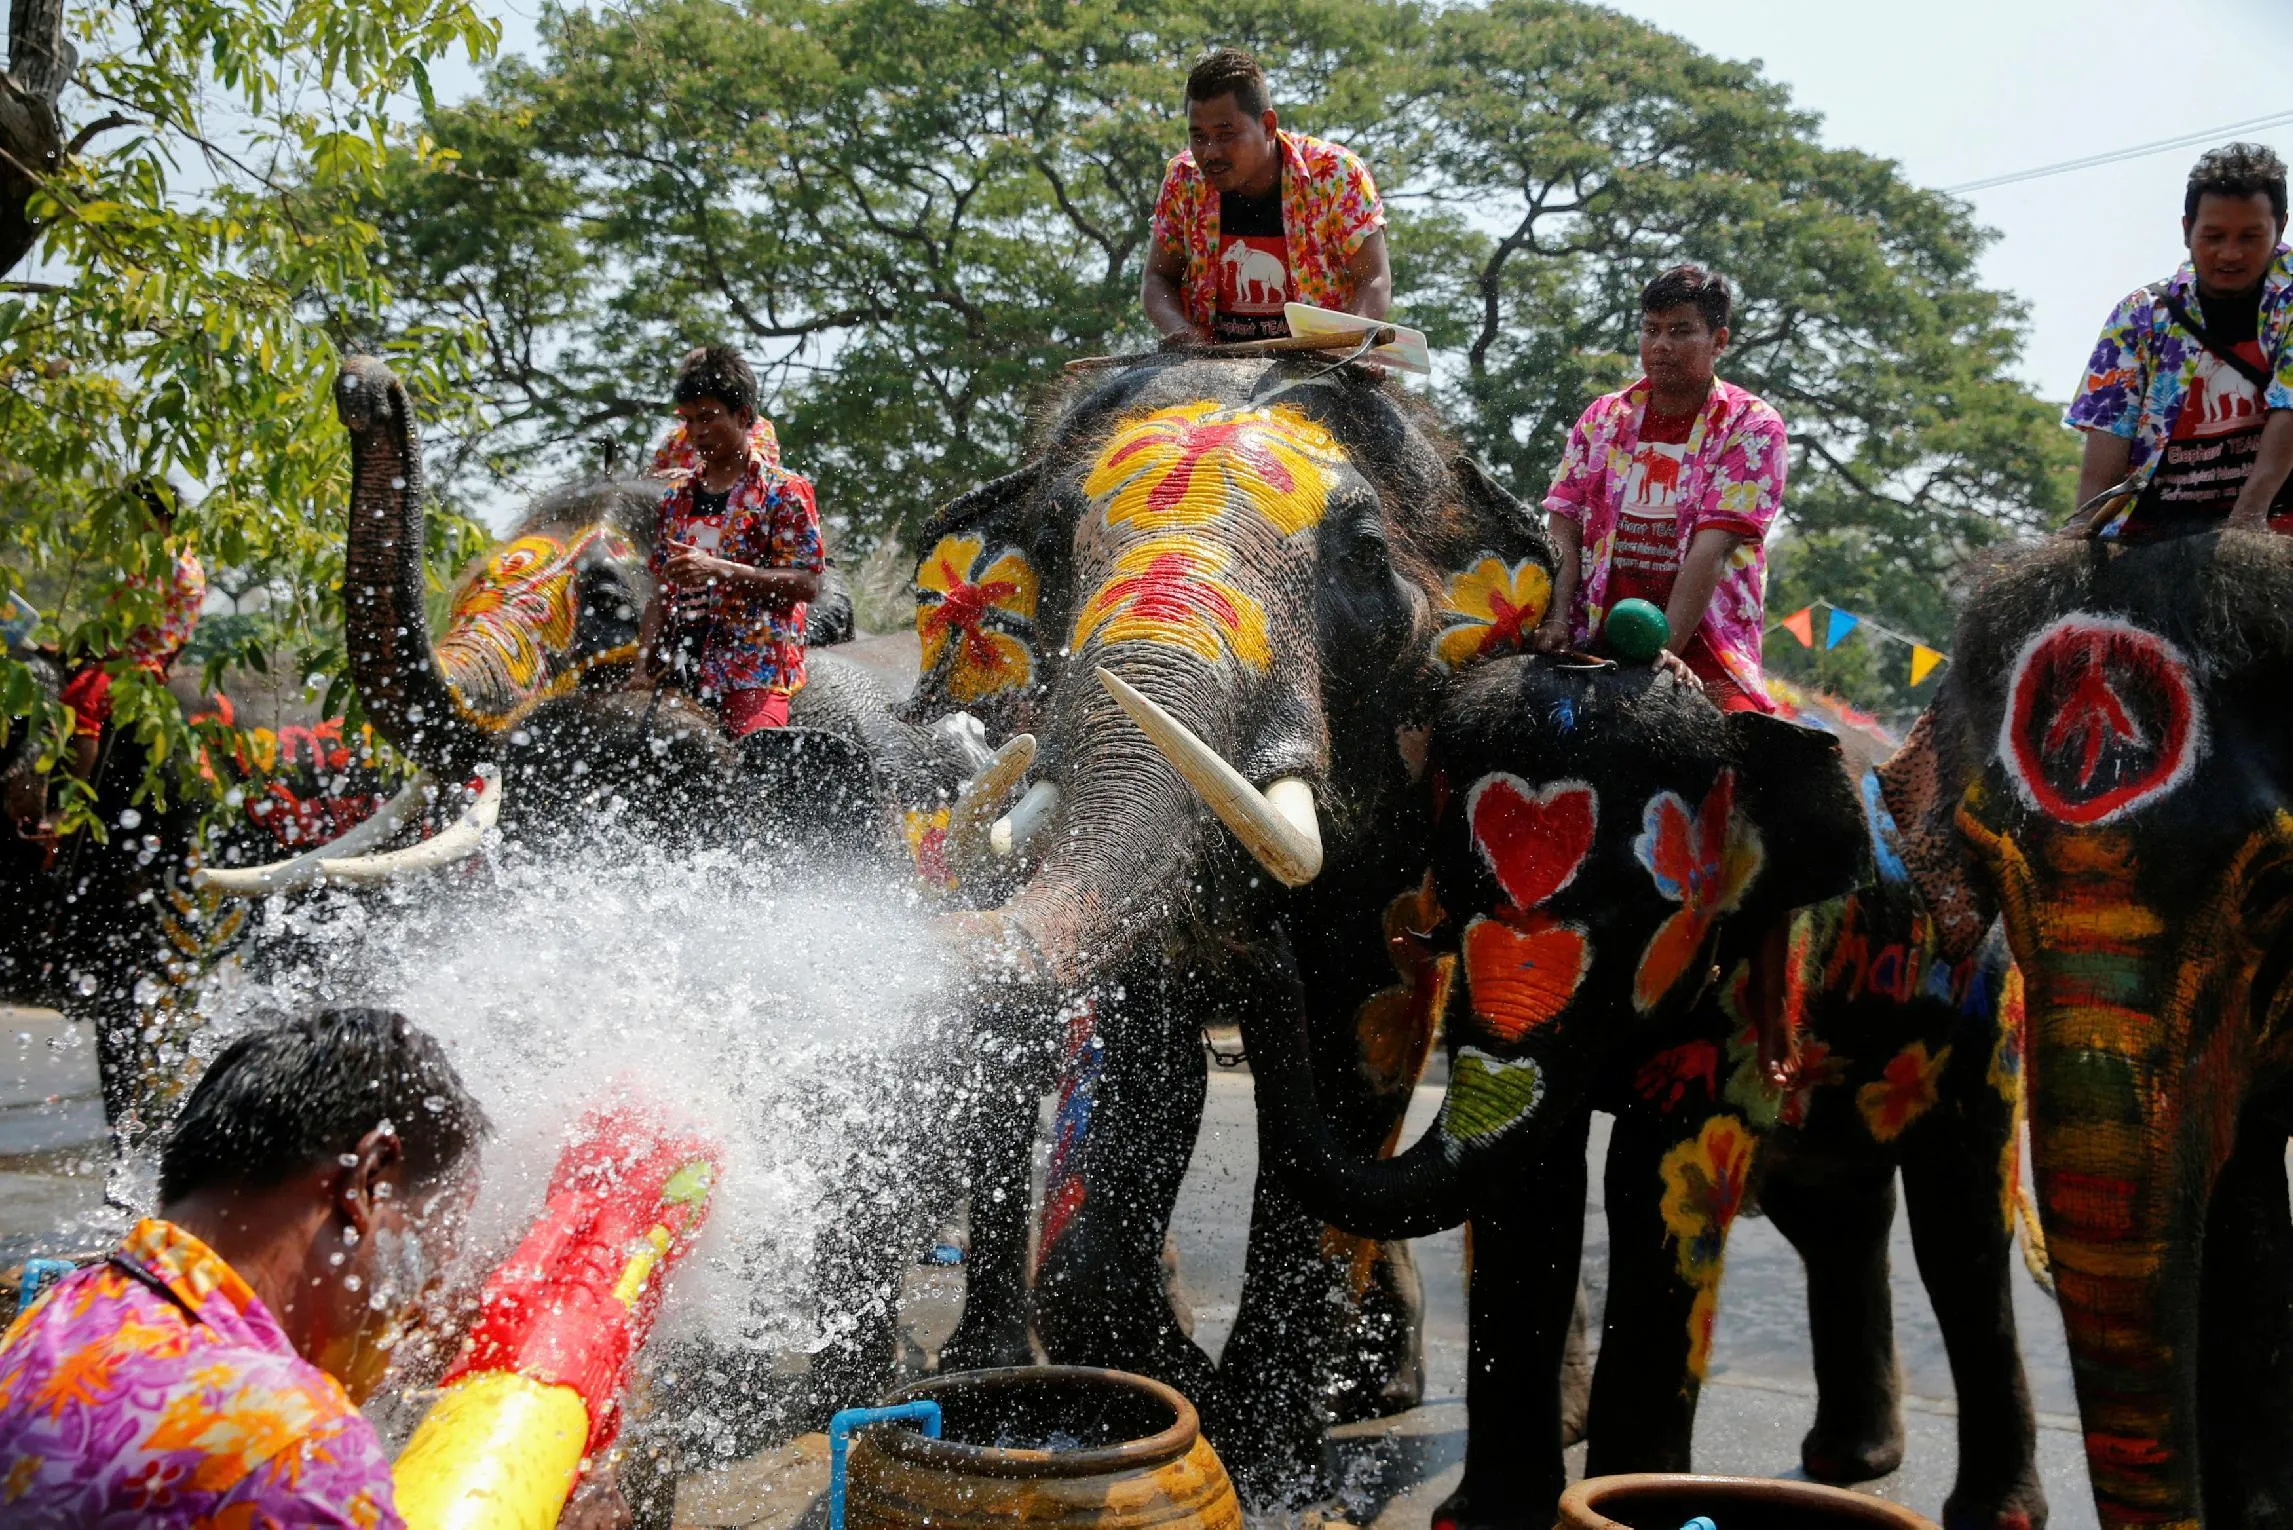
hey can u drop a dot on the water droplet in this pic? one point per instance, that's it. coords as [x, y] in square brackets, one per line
[129, 818]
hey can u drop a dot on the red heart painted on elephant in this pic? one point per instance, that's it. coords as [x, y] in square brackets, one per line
[1534, 841]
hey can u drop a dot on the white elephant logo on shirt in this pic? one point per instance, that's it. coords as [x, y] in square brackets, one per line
[1259, 277]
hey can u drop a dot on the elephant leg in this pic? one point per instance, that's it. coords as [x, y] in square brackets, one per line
[1521, 1300]
[999, 1157]
[1268, 1414]
[1130, 1107]
[1963, 1236]
[1837, 1215]
[1673, 1182]
[2245, 1350]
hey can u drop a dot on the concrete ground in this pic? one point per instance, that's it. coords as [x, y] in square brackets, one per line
[1757, 1402]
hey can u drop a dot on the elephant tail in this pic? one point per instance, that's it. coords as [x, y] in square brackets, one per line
[2032, 1237]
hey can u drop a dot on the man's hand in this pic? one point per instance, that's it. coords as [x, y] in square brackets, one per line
[689, 568]
[2272, 462]
[1675, 666]
[1551, 636]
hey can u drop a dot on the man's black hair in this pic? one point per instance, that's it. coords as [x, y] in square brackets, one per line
[1707, 290]
[2237, 170]
[1230, 72]
[304, 1091]
[718, 372]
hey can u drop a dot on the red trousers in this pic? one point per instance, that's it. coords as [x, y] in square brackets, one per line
[743, 712]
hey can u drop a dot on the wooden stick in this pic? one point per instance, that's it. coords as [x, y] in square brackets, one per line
[1384, 334]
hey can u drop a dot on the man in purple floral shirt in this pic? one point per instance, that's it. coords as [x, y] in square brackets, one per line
[209, 1372]
[2187, 404]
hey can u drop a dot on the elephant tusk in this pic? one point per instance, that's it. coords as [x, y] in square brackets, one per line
[304, 870]
[1277, 826]
[980, 804]
[1015, 829]
[457, 843]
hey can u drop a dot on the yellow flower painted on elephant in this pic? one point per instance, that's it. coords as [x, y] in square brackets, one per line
[926, 836]
[1177, 591]
[1704, 1179]
[1490, 609]
[984, 614]
[1184, 468]
[1904, 1091]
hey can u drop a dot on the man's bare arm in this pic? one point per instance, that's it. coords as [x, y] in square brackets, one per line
[1708, 554]
[2102, 467]
[1568, 542]
[688, 567]
[1161, 297]
[1372, 273]
[648, 636]
[2270, 465]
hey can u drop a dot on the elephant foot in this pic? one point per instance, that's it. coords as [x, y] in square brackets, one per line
[1458, 1512]
[1836, 1455]
[987, 1348]
[2021, 1506]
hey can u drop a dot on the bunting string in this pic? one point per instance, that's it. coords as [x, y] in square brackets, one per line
[1837, 624]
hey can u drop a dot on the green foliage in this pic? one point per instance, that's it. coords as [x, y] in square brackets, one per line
[910, 213]
[182, 318]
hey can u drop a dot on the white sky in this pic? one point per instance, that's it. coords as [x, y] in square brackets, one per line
[1960, 90]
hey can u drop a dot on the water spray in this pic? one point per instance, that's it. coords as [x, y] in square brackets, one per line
[536, 1392]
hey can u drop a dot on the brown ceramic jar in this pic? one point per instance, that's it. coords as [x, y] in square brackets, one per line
[1041, 1446]
[1668, 1500]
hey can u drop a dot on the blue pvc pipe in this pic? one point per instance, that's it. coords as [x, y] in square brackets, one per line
[840, 1440]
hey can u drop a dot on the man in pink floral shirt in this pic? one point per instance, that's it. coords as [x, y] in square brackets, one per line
[1251, 217]
[737, 555]
[209, 1372]
[1666, 493]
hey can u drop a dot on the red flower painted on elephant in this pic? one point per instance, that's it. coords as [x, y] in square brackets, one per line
[1490, 608]
[1702, 860]
[981, 607]
[1665, 1079]
[1522, 966]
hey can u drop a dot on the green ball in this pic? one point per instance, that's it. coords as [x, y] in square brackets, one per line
[1637, 631]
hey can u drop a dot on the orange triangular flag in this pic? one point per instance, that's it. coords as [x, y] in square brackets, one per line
[1801, 624]
[1923, 662]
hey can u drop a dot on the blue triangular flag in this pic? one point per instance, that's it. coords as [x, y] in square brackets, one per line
[1838, 626]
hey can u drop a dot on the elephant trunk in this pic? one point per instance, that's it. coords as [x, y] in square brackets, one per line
[407, 694]
[2130, 1127]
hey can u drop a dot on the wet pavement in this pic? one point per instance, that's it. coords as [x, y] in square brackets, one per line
[1757, 1402]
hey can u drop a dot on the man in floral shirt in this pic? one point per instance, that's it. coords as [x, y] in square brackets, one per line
[1251, 217]
[209, 1372]
[1666, 493]
[736, 555]
[2187, 404]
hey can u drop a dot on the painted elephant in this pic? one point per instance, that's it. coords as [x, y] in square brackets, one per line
[529, 673]
[1275, 559]
[1905, 1062]
[2110, 766]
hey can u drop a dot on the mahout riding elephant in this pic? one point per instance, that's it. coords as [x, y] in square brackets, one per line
[1903, 1061]
[107, 926]
[1277, 559]
[2110, 767]
[529, 674]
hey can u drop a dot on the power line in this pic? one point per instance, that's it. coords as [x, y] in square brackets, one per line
[2183, 141]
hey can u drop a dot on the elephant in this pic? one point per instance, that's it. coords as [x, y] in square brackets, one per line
[108, 927]
[528, 676]
[2105, 768]
[1904, 1061]
[1277, 560]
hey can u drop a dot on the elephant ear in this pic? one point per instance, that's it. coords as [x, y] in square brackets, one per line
[977, 589]
[1921, 785]
[1814, 835]
[1494, 574]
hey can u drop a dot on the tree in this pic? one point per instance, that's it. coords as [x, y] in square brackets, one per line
[195, 249]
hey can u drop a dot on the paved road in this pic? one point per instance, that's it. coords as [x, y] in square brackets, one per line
[1756, 1405]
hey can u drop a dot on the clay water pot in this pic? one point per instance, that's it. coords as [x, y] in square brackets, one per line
[1041, 1445]
[1668, 1500]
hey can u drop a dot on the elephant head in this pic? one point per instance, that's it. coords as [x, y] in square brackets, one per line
[2111, 767]
[1271, 560]
[1597, 831]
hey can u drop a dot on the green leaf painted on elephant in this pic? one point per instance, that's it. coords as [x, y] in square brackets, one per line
[1488, 1095]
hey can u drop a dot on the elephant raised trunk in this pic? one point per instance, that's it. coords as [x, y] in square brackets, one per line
[407, 693]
